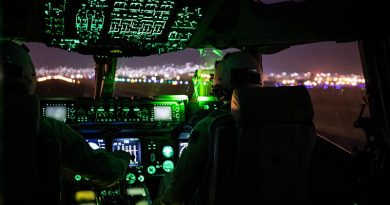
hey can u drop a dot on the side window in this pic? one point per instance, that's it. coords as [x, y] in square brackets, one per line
[62, 73]
[332, 72]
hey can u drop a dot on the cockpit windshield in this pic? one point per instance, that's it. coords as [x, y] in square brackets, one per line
[70, 74]
[164, 74]
[331, 71]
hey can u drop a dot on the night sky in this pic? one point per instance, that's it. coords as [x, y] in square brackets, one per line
[318, 57]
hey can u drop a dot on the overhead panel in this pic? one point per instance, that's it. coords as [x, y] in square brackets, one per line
[120, 27]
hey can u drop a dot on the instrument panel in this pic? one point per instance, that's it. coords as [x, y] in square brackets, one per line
[142, 113]
[152, 130]
[121, 27]
[143, 127]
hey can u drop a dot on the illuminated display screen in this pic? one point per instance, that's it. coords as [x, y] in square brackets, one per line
[121, 27]
[162, 112]
[96, 143]
[130, 145]
[182, 146]
[136, 191]
[56, 112]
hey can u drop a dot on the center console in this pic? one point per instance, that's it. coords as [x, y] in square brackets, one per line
[149, 129]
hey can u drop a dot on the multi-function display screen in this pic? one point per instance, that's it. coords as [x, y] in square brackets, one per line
[162, 113]
[130, 145]
[96, 143]
[56, 112]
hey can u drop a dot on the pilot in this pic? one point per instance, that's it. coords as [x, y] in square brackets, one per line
[99, 166]
[180, 187]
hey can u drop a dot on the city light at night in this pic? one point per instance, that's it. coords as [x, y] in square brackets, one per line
[182, 74]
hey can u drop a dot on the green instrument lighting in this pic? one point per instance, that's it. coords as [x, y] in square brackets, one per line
[116, 51]
[203, 80]
[77, 177]
[206, 98]
[218, 52]
[151, 169]
[130, 177]
[172, 97]
[141, 178]
[167, 151]
[139, 20]
[153, 26]
[168, 166]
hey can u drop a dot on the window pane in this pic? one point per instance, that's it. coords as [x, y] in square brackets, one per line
[62, 73]
[170, 73]
[332, 73]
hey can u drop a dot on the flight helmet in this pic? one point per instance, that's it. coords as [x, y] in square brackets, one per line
[235, 69]
[19, 71]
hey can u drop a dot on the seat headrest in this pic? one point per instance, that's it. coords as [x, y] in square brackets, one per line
[254, 105]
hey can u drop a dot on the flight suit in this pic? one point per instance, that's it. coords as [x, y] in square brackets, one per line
[181, 185]
[101, 167]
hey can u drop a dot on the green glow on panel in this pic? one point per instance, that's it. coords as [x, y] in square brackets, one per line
[168, 166]
[151, 169]
[141, 178]
[218, 52]
[150, 26]
[77, 177]
[181, 30]
[205, 98]
[172, 97]
[54, 18]
[130, 177]
[139, 20]
[90, 20]
[167, 151]
[203, 80]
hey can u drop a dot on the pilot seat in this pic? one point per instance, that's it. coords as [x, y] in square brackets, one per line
[264, 158]
[32, 171]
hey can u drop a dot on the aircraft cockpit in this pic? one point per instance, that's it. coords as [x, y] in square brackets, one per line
[152, 129]
[155, 127]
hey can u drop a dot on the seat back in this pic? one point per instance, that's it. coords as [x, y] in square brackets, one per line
[49, 172]
[32, 169]
[265, 158]
[21, 120]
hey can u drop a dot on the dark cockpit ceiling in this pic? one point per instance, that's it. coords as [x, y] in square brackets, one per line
[125, 28]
